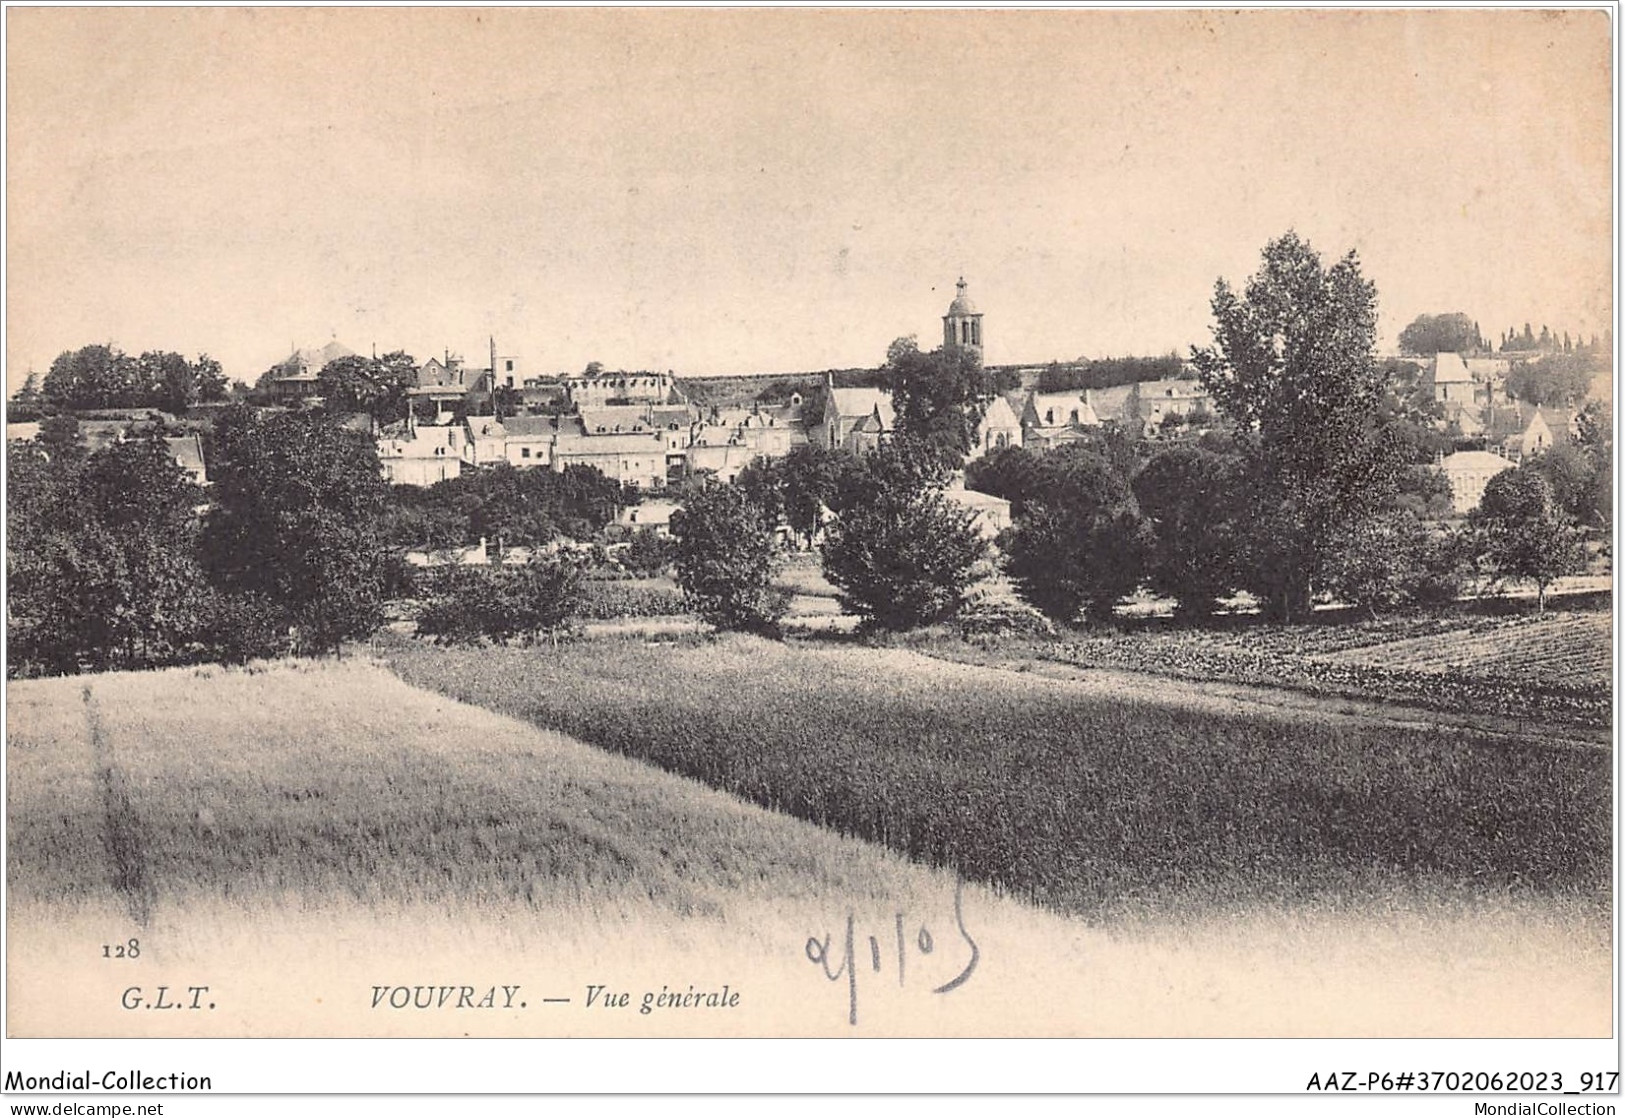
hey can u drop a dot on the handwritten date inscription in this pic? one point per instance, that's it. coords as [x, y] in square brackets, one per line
[838, 962]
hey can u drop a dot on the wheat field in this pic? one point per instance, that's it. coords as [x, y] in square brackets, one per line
[300, 836]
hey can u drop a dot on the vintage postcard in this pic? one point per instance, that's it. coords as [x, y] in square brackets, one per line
[787, 524]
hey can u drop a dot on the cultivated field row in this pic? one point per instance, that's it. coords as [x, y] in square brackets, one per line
[1093, 804]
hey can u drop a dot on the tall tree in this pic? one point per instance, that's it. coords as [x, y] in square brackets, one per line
[1560, 380]
[27, 404]
[375, 385]
[1191, 497]
[1577, 483]
[1440, 333]
[100, 376]
[725, 554]
[512, 510]
[810, 476]
[1522, 532]
[900, 553]
[212, 385]
[296, 521]
[1293, 366]
[1109, 372]
[762, 481]
[94, 376]
[940, 397]
[101, 563]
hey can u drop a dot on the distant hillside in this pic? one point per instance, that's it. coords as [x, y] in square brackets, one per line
[770, 388]
[1108, 372]
[1057, 376]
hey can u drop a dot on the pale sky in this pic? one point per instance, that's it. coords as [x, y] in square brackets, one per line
[738, 191]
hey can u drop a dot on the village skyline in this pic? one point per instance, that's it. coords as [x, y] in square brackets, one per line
[727, 192]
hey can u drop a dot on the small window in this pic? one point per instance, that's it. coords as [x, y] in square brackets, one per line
[524, 452]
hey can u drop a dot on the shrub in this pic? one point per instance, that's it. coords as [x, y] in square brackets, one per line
[244, 627]
[903, 559]
[648, 552]
[1065, 559]
[1077, 538]
[501, 603]
[725, 549]
[990, 618]
[1391, 561]
[605, 600]
[1189, 495]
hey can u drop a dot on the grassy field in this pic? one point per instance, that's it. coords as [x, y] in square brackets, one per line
[295, 832]
[1104, 805]
[341, 782]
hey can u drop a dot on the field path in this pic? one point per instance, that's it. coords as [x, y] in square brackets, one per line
[1242, 698]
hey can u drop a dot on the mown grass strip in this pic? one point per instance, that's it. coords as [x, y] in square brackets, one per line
[334, 785]
[121, 828]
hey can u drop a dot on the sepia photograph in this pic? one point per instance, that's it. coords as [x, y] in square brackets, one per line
[810, 524]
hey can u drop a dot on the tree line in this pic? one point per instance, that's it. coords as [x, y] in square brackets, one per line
[116, 559]
[1109, 372]
[1317, 486]
[1456, 332]
[102, 377]
[1320, 487]
[506, 507]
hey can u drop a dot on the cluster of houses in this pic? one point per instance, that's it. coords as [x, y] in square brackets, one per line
[1498, 430]
[649, 437]
[112, 425]
[641, 429]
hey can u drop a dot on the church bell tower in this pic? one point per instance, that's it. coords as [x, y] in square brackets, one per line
[962, 325]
